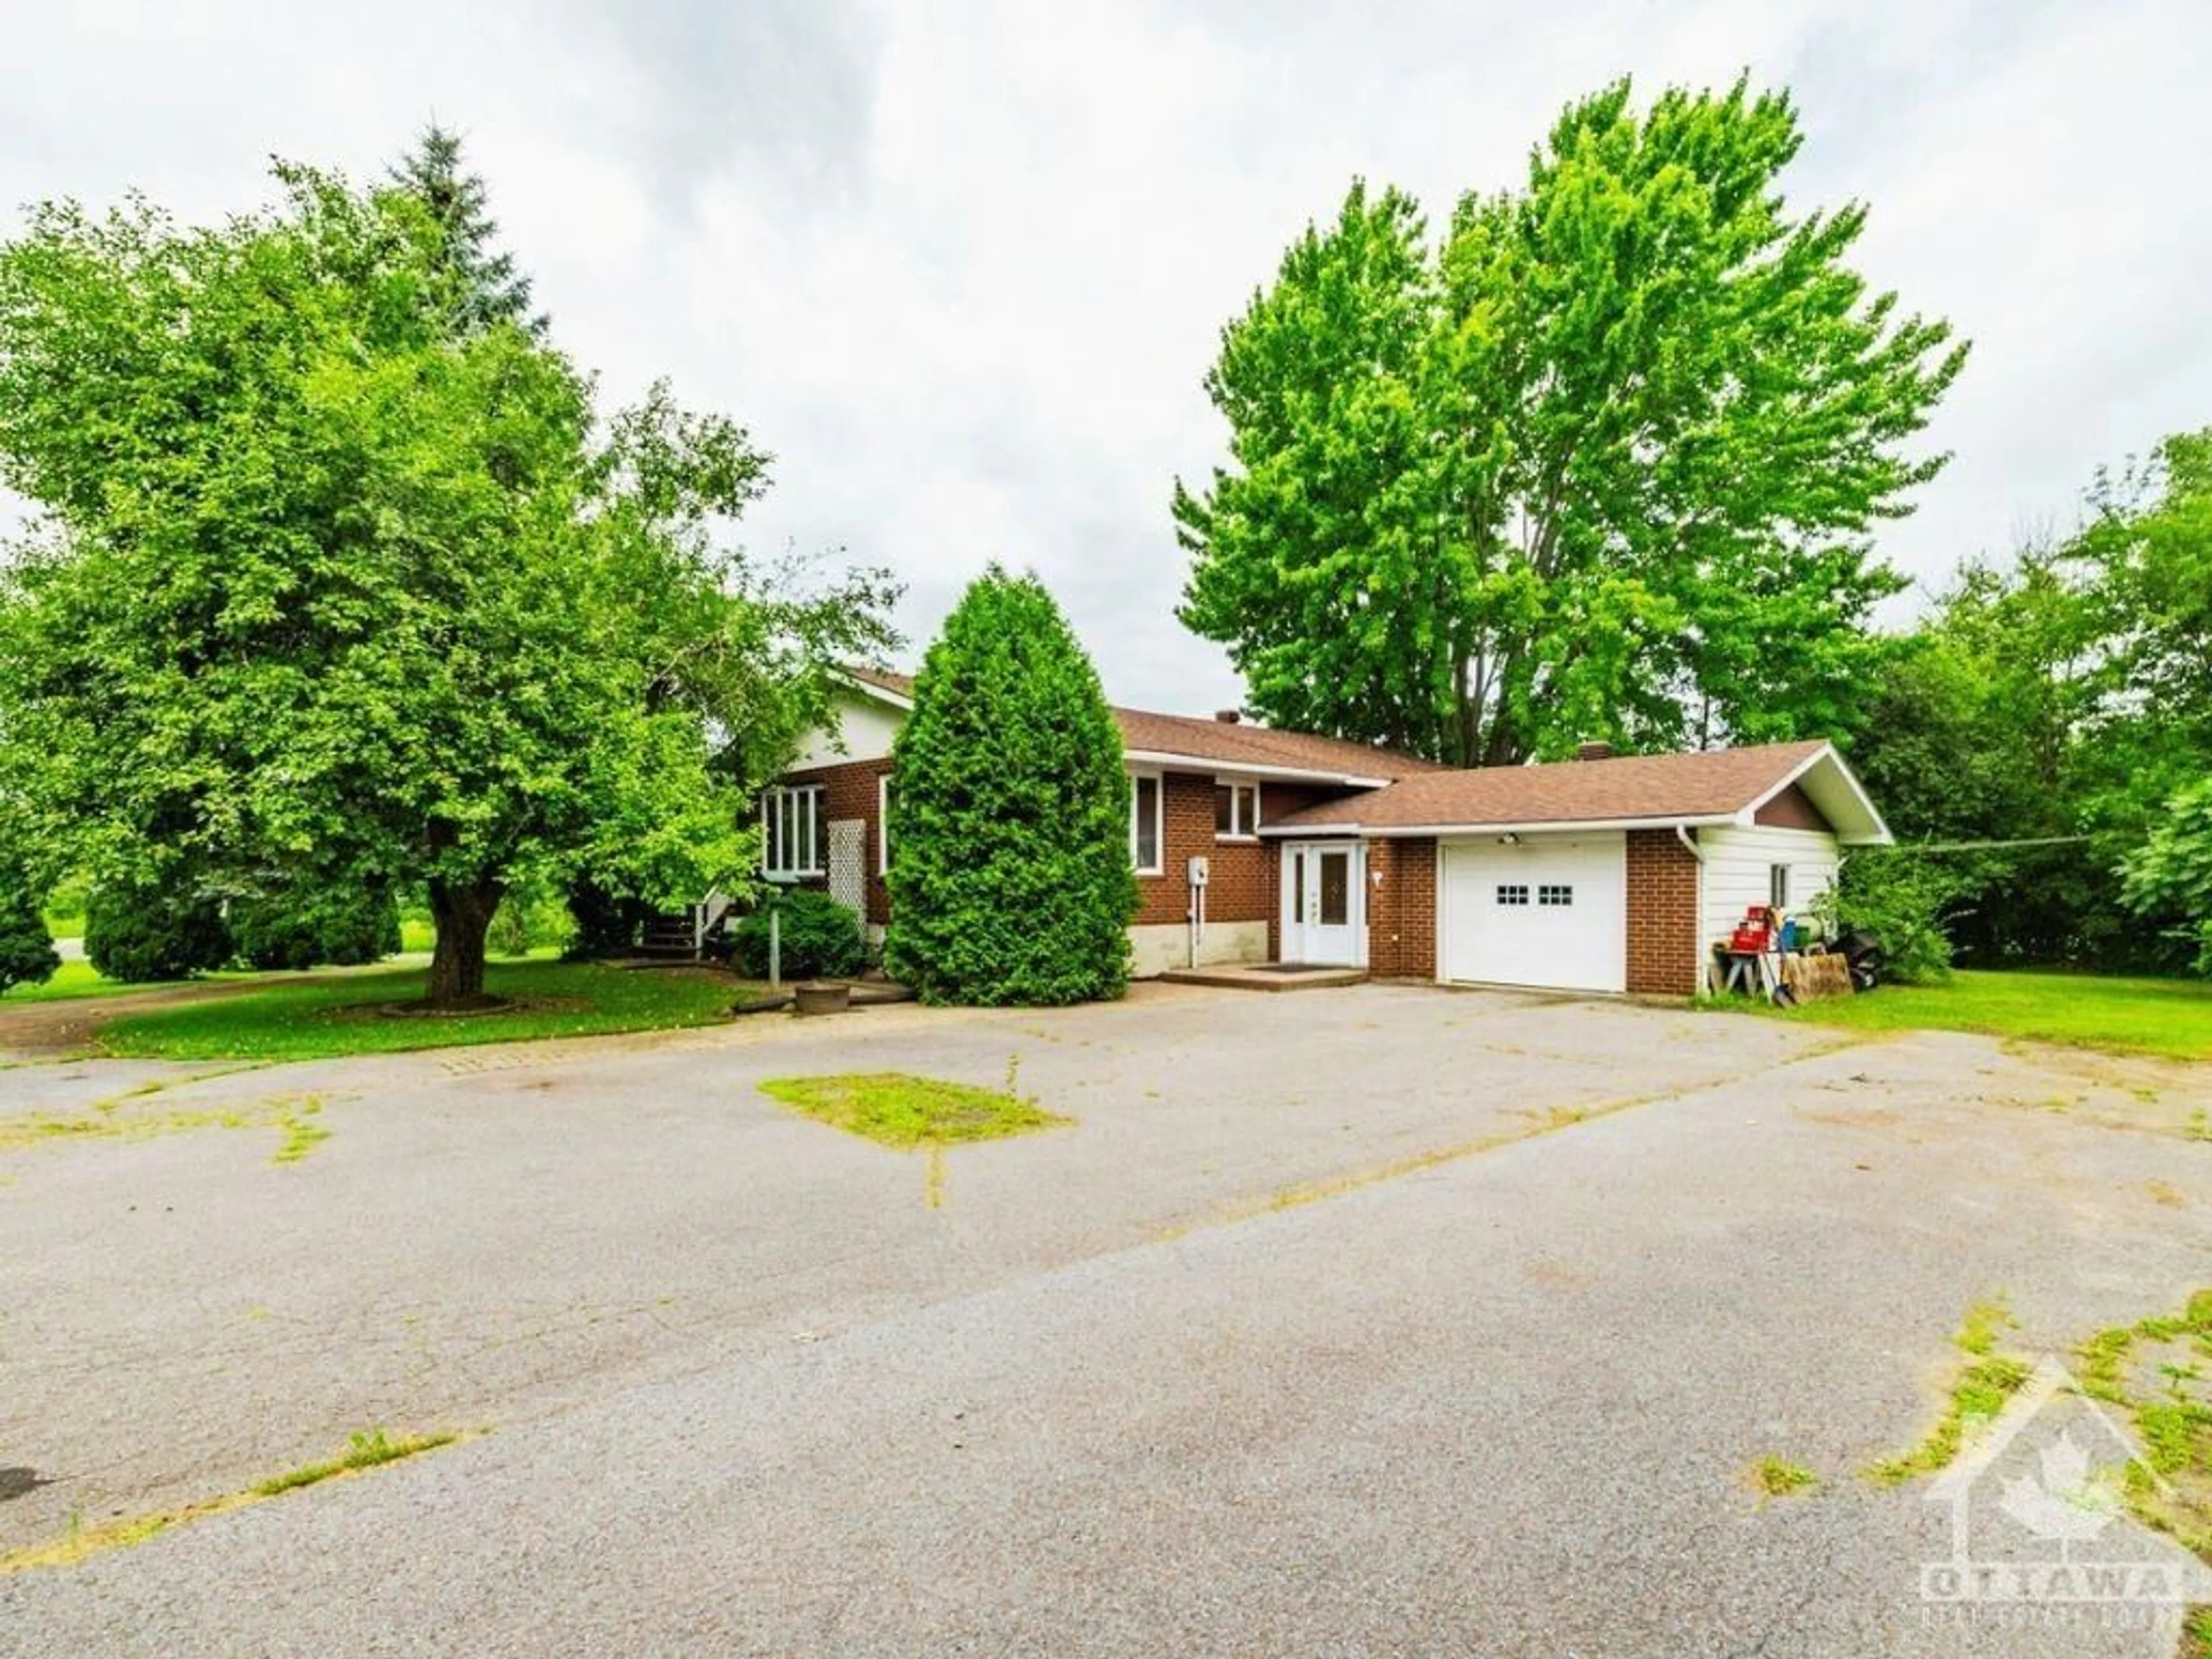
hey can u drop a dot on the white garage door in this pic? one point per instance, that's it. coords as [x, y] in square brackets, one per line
[1550, 911]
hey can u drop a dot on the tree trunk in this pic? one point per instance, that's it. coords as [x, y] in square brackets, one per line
[462, 917]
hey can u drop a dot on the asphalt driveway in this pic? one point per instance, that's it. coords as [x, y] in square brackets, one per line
[1385, 1320]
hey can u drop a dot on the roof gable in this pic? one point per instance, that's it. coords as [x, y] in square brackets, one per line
[1226, 745]
[1717, 785]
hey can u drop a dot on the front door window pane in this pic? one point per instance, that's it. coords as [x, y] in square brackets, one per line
[1335, 888]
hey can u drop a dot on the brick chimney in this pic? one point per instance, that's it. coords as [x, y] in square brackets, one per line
[1227, 716]
[1594, 751]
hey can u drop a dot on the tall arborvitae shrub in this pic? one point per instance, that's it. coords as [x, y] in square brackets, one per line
[1010, 874]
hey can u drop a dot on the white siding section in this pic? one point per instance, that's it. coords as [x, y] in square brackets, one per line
[866, 728]
[1737, 860]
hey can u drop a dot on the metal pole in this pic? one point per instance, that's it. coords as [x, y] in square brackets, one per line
[774, 945]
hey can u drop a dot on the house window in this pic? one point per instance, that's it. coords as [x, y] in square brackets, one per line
[797, 834]
[1559, 894]
[1236, 811]
[883, 824]
[1144, 823]
[1777, 886]
[1512, 893]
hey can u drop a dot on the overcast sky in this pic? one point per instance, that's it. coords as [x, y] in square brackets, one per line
[961, 267]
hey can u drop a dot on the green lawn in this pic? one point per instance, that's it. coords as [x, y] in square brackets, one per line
[78, 978]
[2166, 1017]
[309, 1018]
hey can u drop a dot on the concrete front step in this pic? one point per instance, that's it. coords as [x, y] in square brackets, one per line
[1266, 976]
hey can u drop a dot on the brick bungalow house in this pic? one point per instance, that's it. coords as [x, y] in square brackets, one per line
[1604, 873]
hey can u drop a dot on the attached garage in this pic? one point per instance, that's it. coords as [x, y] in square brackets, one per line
[1603, 874]
[1548, 911]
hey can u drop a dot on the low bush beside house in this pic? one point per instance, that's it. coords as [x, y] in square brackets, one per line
[1899, 896]
[820, 938]
[146, 932]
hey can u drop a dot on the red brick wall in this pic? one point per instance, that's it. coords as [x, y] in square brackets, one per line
[849, 790]
[1186, 829]
[1662, 916]
[1401, 909]
[1243, 875]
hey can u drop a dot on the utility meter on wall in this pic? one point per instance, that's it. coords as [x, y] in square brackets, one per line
[1198, 866]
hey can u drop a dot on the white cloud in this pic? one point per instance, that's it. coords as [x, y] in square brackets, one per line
[962, 266]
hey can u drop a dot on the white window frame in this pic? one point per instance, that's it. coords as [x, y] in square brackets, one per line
[883, 823]
[806, 801]
[1777, 886]
[1239, 790]
[1159, 782]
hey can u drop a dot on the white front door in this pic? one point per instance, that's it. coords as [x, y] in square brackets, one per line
[1322, 891]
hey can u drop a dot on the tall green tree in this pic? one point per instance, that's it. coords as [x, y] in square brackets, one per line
[2147, 556]
[1010, 880]
[1971, 738]
[2170, 874]
[487, 287]
[330, 596]
[2144, 558]
[1603, 463]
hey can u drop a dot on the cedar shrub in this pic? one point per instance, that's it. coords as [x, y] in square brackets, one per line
[290, 929]
[149, 931]
[1010, 874]
[26, 949]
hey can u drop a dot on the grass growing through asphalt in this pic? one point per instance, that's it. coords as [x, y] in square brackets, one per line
[367, 1451]
[1977, 1397]
[2155, 1371]
[302, 1133]
[133, 1115]
[1775, 1477]
[2166, 1017]
[906, 1112]
[312, 1018]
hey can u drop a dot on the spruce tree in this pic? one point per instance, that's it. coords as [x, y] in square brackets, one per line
[489, 288]
[1010, 880]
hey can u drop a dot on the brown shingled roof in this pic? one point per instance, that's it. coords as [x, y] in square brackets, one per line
[1222, 743]
[1715, 783]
